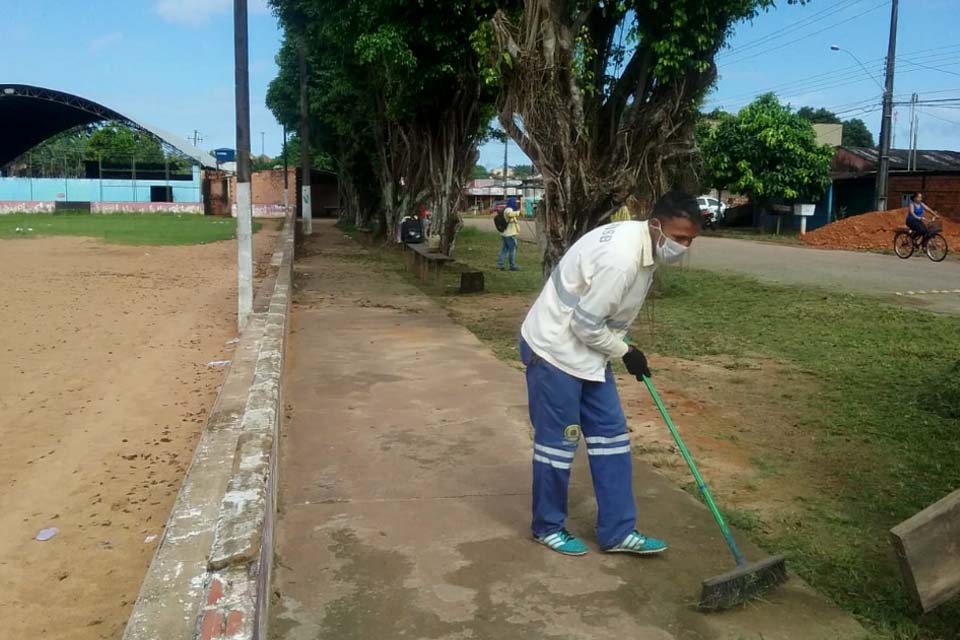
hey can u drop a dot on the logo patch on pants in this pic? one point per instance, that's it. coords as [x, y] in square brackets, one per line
[572, 433]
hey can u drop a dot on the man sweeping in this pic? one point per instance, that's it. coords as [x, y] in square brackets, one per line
[575, 328]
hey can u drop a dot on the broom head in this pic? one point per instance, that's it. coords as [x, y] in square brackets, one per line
[744, 583]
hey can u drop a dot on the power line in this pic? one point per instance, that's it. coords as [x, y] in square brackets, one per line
[839, 81]
[925, 66]
[796, 26]
[933, 115]
[809, 35]
[813, 82]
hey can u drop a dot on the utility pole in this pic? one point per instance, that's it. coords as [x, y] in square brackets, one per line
[305, 198]
[244, 202]
[286, 177]
[883, 164]
[913, 113]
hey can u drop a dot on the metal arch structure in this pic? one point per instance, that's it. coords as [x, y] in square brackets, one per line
[29, 115]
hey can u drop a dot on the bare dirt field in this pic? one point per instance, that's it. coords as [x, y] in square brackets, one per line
[104, 388]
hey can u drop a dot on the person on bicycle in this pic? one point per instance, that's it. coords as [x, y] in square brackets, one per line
[915, 210]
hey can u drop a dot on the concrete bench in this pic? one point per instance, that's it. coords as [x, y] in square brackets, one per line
[429, 265]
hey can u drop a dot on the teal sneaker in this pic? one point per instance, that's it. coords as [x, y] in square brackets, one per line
[637, 543]
[563, 542]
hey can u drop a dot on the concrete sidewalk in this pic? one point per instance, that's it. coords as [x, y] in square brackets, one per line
[405, 493]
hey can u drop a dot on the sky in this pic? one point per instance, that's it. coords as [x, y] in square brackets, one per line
[170, 62]
[787, 50]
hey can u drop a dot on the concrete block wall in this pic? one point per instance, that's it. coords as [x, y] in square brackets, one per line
[211, 573]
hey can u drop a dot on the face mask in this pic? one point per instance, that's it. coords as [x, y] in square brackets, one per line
[669, 251]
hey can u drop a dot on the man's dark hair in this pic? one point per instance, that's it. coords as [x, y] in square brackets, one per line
[678, 204]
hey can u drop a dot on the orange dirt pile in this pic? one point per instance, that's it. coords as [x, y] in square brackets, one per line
[872, 230]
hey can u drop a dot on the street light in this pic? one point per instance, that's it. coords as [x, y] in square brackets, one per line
[836, 47]
[886, 124]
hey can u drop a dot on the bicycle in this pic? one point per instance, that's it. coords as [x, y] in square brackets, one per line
[906, 242]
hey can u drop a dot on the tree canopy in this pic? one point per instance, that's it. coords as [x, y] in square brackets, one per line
[396, 100]
[769, 153]
[818, 116]
[601, 95]
[478, 172]
[522, 171]
[856, 134]
[114, 143]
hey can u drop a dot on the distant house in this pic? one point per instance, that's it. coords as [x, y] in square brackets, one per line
[935, 173]
[480, 195]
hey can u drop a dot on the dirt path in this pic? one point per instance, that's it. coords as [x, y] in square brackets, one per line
[104, 387]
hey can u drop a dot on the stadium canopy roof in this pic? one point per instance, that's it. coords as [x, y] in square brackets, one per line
[29, 115]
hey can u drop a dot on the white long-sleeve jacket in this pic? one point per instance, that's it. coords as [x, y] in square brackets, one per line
[578, 322]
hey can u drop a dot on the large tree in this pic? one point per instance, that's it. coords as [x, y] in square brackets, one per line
[856, 134]
[818, 116]
[768, 153]
[396, 92]
[118, 143]
[602, 96]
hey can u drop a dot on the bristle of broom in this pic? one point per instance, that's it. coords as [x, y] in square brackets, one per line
[742, 584]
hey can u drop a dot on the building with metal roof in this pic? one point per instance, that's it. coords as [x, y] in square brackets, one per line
[29, 115]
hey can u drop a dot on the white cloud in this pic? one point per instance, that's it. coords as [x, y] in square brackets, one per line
[104, 41]
[193, 13]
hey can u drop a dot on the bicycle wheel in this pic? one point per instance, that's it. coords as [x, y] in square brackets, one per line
[936, 247]
[903, 244]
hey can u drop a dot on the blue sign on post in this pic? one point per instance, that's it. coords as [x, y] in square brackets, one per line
[225, 155]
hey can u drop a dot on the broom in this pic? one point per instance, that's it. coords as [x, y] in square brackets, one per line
[749, 579]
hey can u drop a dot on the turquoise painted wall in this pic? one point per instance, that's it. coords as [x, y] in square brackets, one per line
[85, 190]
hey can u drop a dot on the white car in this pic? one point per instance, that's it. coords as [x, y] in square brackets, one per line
[714, 206]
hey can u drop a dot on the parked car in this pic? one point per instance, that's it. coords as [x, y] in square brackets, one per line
[714, 206]
[498, 206]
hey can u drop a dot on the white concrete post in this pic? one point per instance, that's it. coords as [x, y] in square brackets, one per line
[307, 209]
[244, 254]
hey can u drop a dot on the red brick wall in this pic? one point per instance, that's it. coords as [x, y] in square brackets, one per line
[266, 186]
[940, 192]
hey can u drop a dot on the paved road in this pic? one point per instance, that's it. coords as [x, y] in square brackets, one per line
[906, 281]
[405, 493]
[911, 282]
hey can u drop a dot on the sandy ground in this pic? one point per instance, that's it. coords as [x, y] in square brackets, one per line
[104, 388]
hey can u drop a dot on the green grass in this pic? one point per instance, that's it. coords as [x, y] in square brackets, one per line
[748, 233]
[888, 449]
[479, 249]
[886, 421]
[125, 228]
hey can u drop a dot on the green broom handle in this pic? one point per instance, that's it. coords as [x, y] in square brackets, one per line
[737, 555]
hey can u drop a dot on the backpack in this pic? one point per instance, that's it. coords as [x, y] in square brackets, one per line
[500, 221]
[411, 231]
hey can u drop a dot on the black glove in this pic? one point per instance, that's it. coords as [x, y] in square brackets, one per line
[636, 363]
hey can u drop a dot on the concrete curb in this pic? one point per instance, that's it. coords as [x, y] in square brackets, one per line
[210, 575]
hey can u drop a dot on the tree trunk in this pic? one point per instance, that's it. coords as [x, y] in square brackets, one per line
[595, 148]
